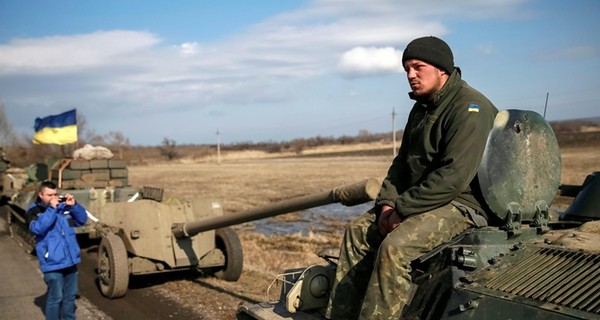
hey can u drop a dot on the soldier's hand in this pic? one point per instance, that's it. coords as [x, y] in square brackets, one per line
[388, 220]
[394, 221]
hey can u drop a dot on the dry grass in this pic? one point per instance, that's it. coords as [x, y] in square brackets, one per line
[249, 179]
[577, 163]
[243, 184]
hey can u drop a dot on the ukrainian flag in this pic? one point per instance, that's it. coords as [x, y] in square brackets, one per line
[56, 129]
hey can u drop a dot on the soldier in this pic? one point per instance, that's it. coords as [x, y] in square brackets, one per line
[430, 193]
[52, 219]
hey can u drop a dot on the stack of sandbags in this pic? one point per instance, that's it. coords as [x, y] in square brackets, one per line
[91, 166]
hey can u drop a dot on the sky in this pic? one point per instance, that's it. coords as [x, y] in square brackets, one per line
[277, 70]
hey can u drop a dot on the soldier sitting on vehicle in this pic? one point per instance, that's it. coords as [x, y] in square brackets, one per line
[430, 192]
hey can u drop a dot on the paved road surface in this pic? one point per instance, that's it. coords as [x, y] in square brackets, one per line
[22, 288]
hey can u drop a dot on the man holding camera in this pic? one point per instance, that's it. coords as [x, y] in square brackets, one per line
[52, 219]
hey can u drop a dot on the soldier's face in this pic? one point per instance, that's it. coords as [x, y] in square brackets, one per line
[424, 79]
[47, 194]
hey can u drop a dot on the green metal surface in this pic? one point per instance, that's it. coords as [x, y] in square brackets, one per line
[586, 205]
[521, 163]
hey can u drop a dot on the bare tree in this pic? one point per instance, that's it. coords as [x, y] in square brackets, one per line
[168, 148]
[118, 142]
[298, 145]
[86, 134]
[7, 134]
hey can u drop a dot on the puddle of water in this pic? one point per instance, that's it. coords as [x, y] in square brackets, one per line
[329, 218]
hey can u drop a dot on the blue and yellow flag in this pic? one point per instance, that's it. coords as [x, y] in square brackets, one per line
[57, 129]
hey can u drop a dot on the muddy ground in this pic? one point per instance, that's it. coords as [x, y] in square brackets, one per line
[243, 184]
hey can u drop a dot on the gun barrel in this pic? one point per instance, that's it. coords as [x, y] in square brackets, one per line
[348, 195]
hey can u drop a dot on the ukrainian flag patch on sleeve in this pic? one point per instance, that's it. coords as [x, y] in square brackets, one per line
[473, 107]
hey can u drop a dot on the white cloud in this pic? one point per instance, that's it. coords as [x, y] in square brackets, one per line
[189, 48]
[362, 61]
[130, 72]
[60, 54]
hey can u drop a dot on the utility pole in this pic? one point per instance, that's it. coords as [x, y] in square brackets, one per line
[218, 147]
[394, 132]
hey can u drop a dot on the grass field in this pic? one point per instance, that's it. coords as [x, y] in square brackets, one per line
[246, 179]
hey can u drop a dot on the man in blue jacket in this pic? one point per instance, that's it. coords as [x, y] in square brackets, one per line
[52, 218]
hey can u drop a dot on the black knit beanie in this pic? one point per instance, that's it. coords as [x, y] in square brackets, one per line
[431, 50]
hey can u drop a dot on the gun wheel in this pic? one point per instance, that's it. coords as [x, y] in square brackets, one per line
[113, 271]
[227, 241]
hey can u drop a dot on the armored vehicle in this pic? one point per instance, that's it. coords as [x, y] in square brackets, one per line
[142, 234]
[525, 267]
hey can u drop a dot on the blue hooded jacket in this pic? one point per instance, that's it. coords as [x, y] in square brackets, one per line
[56, 244]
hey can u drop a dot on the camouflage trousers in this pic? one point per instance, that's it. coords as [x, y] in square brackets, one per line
[373, 273]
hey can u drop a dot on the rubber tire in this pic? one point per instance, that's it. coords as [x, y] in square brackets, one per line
[227, 240]
[112, 264]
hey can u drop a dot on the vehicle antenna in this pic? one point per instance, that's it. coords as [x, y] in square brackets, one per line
[546, 104]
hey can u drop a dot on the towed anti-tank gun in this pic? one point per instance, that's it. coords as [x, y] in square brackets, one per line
[146, 236]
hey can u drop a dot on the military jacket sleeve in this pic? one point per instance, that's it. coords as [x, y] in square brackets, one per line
[397, 178]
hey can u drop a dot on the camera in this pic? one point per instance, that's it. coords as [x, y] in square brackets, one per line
[62, 198]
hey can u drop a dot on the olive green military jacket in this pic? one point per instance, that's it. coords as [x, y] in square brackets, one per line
[442, 147]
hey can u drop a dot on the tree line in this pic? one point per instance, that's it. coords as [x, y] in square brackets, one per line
[22, 152]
